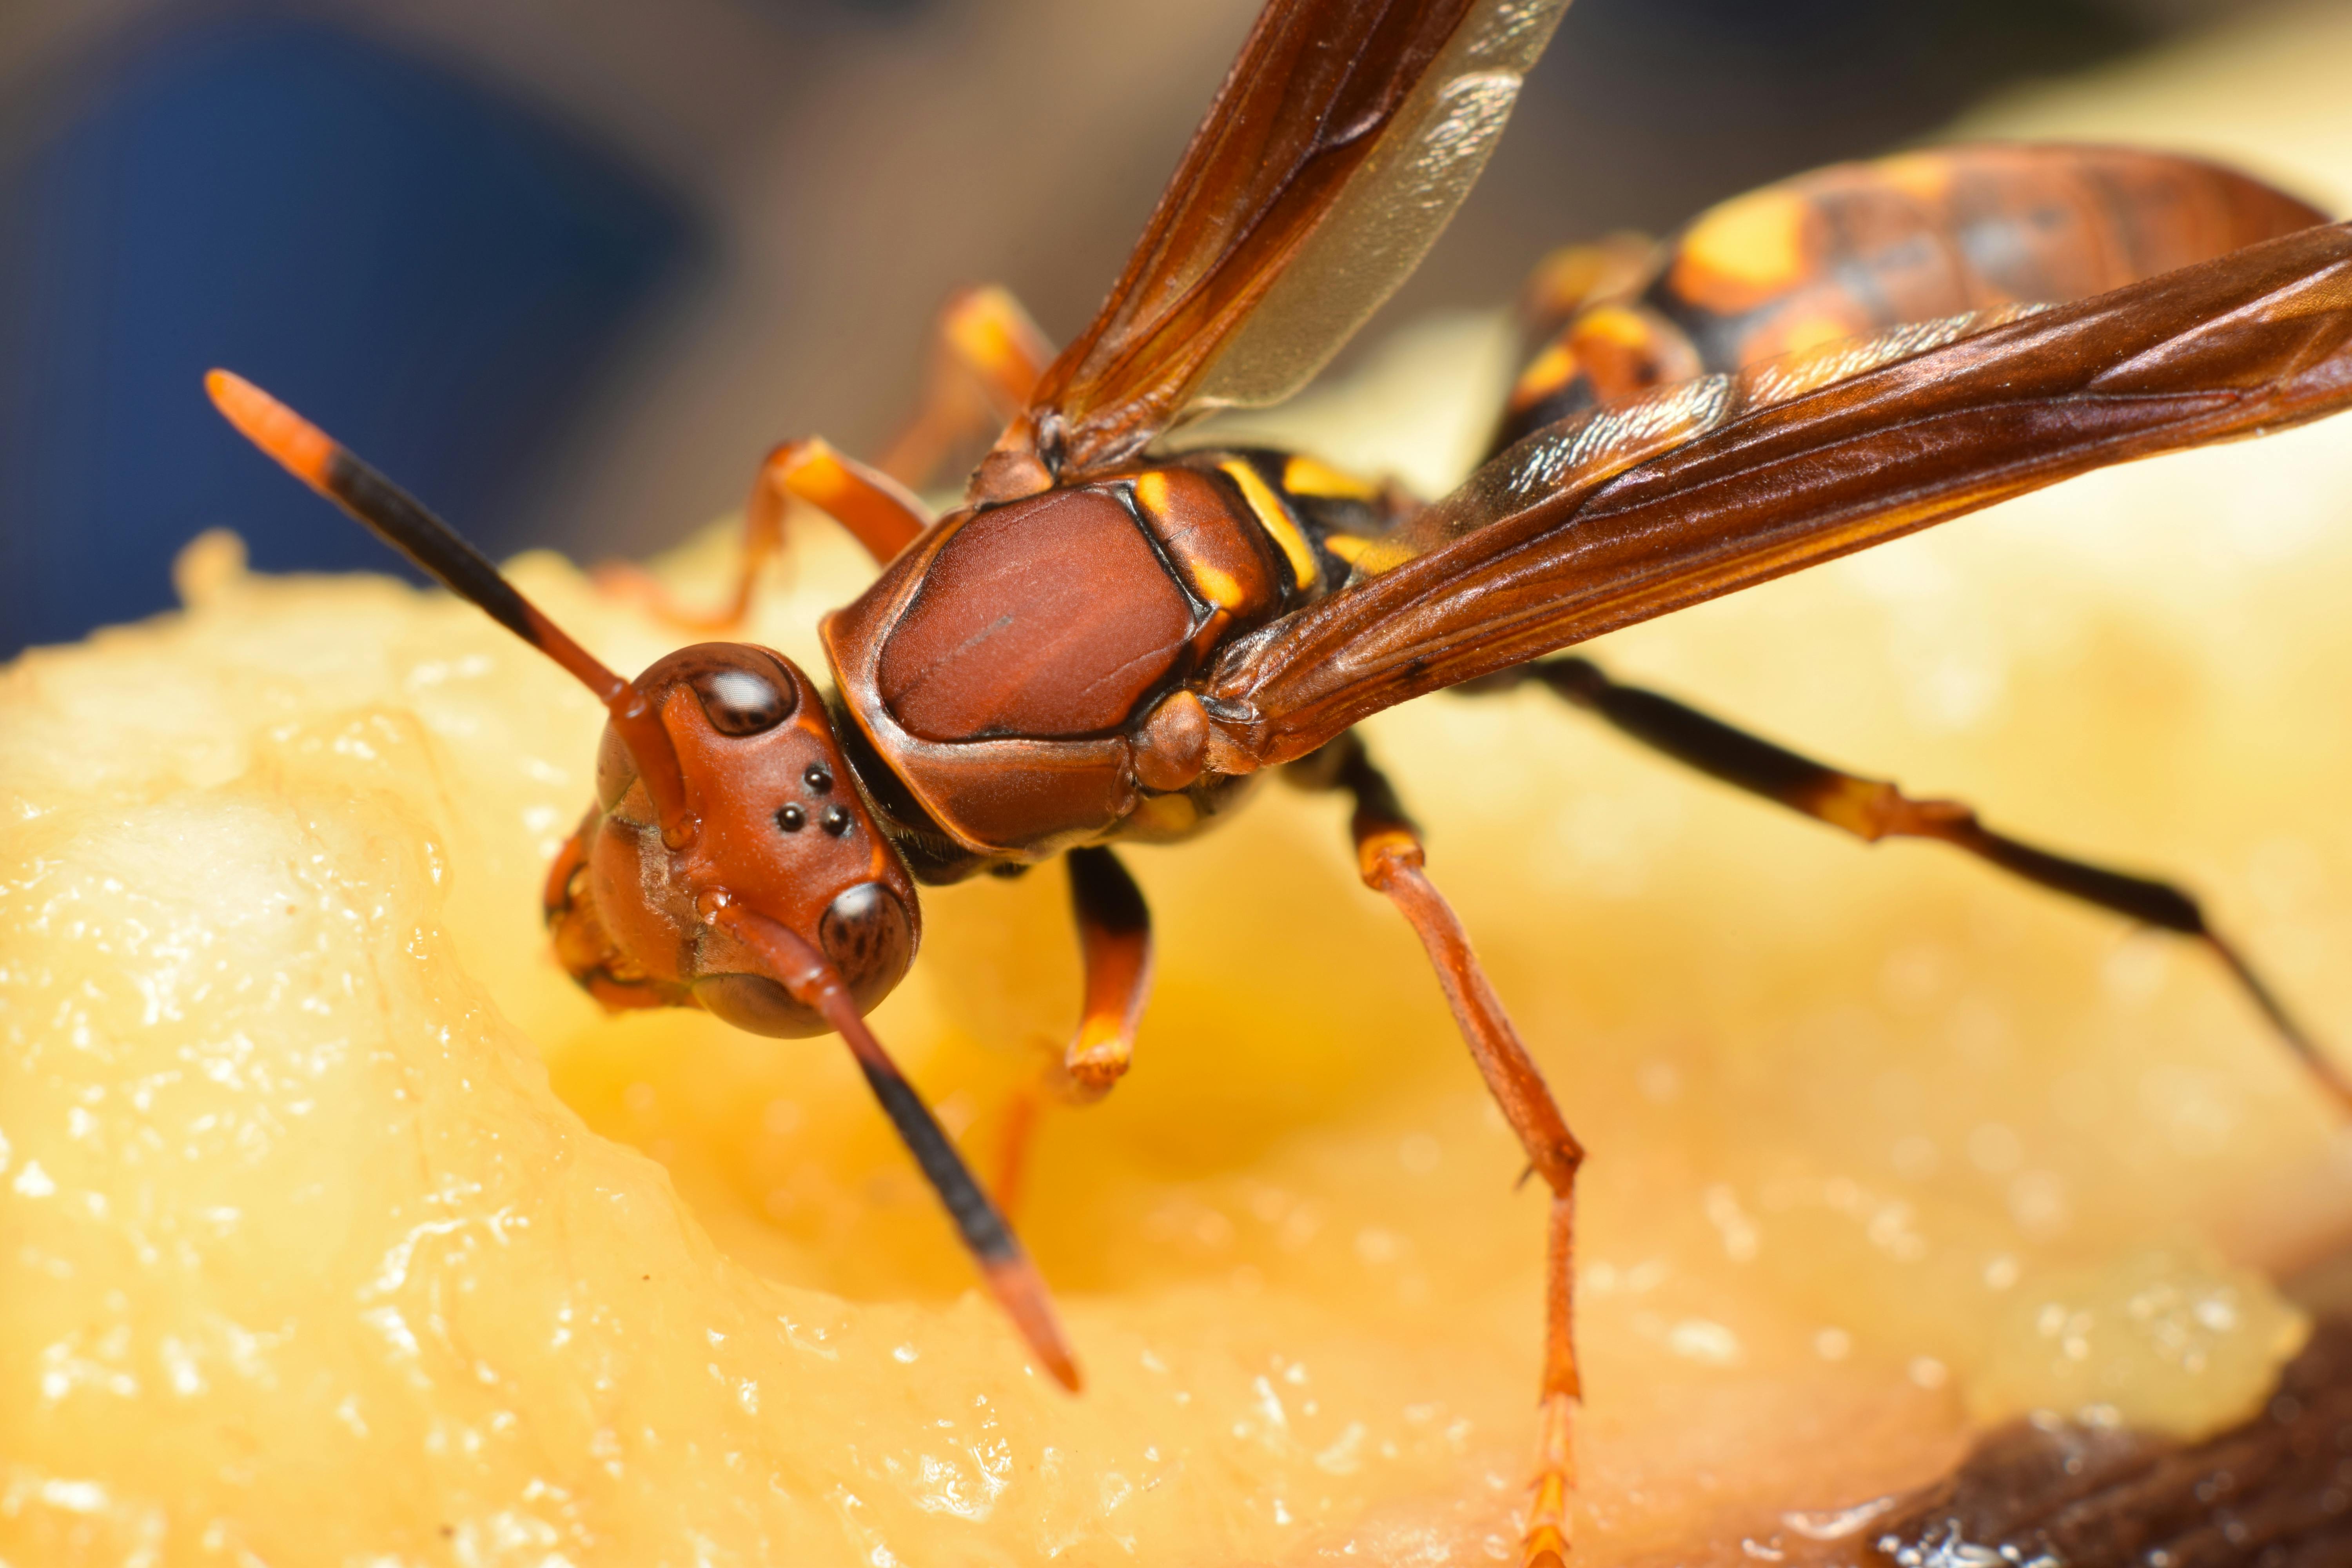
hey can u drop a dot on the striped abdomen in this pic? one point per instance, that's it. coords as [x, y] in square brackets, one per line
[1858, 248]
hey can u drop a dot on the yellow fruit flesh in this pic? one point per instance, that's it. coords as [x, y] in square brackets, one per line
[341, 1228]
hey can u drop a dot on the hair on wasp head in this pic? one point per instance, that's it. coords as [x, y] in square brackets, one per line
[730, 860]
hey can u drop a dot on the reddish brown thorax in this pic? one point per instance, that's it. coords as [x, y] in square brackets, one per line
[779, 823]
[1021, 669]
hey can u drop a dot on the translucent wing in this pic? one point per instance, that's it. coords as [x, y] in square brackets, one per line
[1338, 147]
[1629, 512]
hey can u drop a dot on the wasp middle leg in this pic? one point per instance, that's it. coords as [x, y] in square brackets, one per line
[1389, 856]
[1114, 938]
[1871, 809]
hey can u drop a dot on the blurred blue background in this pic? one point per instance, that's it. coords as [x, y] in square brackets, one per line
[566, 268]
[433, 273]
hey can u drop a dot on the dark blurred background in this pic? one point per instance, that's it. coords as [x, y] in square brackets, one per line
[568, 267]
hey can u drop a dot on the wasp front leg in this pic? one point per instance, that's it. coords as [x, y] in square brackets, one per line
[1871, 809]
[1389, 858]
[987, 358]
[880, 513]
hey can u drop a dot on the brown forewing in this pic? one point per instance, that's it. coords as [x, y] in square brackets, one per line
[1318, 85]
[1705, 488]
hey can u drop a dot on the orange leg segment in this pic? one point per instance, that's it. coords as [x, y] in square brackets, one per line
[1018, 1134]
[1871, 809]
[1114, 940]
[987, 357]
[1389, 858]
[1115, 935]
[1576, 276]
[879, 512]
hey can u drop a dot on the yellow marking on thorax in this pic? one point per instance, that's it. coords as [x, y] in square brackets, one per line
[1307, 476]
[1218, 587]
[1167, 815]
[1266, 507]
[1547, 373]
[1755, 239]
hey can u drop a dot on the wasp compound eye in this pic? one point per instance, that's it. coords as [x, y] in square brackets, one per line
[870, 938]
[741, 701]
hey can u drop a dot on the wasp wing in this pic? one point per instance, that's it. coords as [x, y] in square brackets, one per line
[1341, 142]
[1629, 512]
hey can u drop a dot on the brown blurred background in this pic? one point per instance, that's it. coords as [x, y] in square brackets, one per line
[568, 267]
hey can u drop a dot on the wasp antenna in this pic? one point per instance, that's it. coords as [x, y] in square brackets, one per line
[2306, 1048]
[401, 521]
[1004, 1265]
[1011, 1277]
[315, 458]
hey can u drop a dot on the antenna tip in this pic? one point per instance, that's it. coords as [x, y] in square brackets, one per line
[1021, 1291]
[304, 449]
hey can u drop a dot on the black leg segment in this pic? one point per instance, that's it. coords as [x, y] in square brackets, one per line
[1871, 809]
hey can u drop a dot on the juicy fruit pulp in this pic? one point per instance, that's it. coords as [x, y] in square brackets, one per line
[342, 1227]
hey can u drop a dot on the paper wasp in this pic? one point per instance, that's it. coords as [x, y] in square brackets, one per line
[1112, 638]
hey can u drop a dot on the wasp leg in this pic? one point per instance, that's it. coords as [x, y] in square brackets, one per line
[1871, 809]
[879, 513]
[1115, 936]
[1389, 855]
[986, 358]
[1576, 276]
[1592, 343]
[1115, 942]
[1016, 1134]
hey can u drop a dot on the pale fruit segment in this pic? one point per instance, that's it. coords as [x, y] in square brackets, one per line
[341, 1228]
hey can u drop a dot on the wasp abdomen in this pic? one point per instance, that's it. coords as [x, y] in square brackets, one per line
[1858, 248]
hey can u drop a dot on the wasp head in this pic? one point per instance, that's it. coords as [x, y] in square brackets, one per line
[778, 822]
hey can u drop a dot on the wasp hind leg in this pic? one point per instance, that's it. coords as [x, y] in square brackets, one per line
[1389, 856]
[1115, 945]
[1871, 809]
